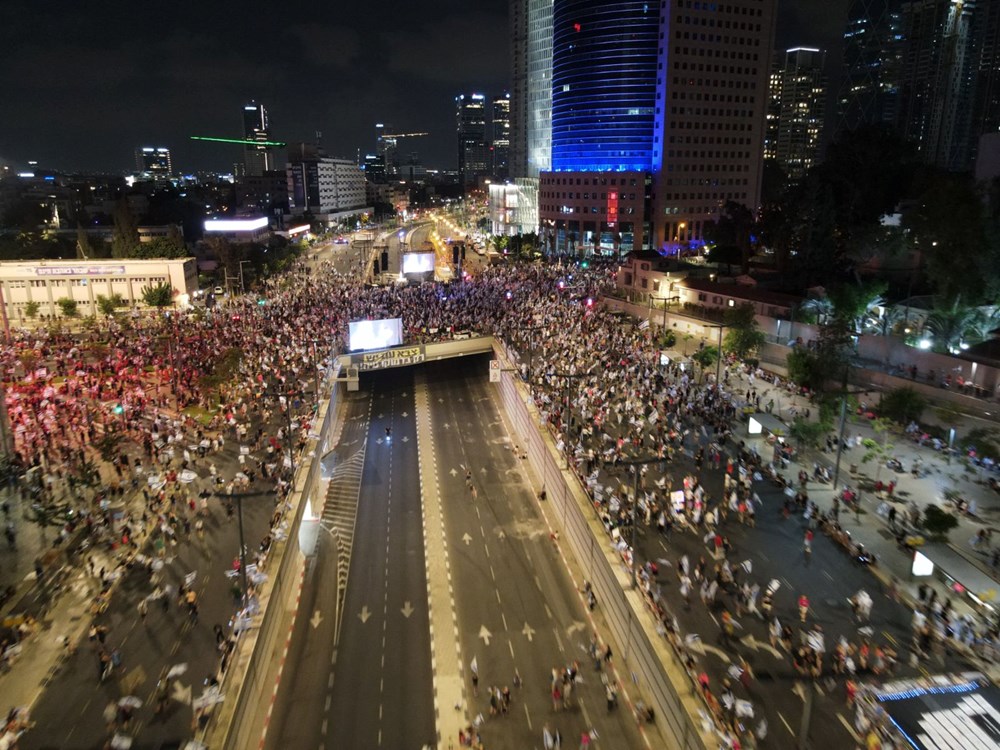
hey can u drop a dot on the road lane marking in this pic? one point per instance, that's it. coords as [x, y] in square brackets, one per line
[828, 575]
[528, 717]
[847, 725]
[787, 726]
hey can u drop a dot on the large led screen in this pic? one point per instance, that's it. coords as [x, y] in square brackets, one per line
[375, 334]
[418, 262]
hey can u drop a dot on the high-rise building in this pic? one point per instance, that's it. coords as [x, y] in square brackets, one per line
[153, 161]
[500, 138]
[869, 87]
[604, 58]
[387, 147]
[517, 17]
[257, 159]
[657, 120]
[937, 81]
[802, 96]
[773, 116]
[531, 87]
[986, 108]
[473, 151]
[329, 189]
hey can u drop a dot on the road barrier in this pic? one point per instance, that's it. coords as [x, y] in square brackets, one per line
[647, 657]
[237, 722]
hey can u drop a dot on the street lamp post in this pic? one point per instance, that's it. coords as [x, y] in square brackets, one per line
[243, 286]
[636, 465]
[570, 376]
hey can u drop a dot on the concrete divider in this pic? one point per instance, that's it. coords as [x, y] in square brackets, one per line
[238, 722]
[651, 661]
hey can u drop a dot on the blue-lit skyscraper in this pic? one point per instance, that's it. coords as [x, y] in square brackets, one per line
[658, 113]
[604, 57]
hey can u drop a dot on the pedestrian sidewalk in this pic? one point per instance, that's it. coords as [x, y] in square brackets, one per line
[58, 632]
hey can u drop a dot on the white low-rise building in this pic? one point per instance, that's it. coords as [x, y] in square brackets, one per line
[45, 282]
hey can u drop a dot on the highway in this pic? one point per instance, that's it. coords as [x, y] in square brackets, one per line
[362, 676]
[518, 609]
[367, 681]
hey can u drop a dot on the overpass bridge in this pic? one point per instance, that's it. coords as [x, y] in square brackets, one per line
[350, 366]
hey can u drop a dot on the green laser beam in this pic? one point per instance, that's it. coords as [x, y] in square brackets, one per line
[244, 141]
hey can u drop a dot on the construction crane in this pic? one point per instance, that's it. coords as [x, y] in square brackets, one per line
[244, 141]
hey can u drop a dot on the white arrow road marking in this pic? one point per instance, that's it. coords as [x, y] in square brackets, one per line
[365, 614]
[700, 647]
[485, 635]
[316, 619]
[182, 693]
[380, 413]
[500, 533]
[405, 439]
[447, 426]
[466, 538]
[576, 627]
[404, 415]
[800, 691]
[754, 644]
[528, 631]
[407, 610]
[453, 472]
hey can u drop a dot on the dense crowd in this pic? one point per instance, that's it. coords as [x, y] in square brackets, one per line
[174, 388]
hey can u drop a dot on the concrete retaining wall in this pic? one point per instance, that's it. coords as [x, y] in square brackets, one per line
[238, 722]
[660, 676]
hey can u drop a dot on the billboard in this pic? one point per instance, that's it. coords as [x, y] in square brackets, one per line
[418, 262]
[375, 334]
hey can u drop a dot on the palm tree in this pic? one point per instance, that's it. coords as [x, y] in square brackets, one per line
[820, 307]
[952, 323]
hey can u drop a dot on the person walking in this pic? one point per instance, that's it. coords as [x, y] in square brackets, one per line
[803, 607]
[807, 546]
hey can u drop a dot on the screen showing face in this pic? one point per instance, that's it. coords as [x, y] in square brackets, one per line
[375, 334]
[418, 262]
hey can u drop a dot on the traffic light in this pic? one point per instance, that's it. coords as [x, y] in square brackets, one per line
[119, 409]
[585, 264]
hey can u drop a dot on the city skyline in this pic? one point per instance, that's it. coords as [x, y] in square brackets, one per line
[128, 87]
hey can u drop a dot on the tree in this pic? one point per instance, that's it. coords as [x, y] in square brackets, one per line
[949, 226]
[937, 523]
[902, 405]
[743, 336]
[879, 450]
[808, 433]
[725, 254]
[108, 305]
[125, 236]
[705, 357]
[853, 304]
[159, 295]
[732, 230]
[83, 248]
[953, 323]
[31, 309]
[68, 306]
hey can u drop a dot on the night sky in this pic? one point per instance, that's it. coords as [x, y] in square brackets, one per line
[83, 82]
